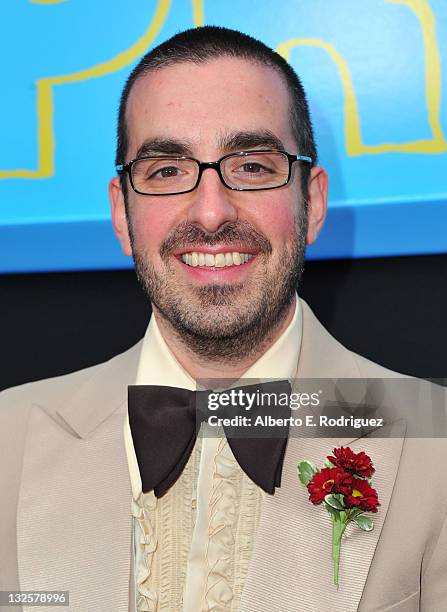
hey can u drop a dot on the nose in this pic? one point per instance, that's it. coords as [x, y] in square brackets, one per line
[212, 204]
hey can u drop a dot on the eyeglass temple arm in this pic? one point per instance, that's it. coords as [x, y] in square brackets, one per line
[304, 158]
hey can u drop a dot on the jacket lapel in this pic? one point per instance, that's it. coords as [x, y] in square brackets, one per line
[291, 566]
[73, 517]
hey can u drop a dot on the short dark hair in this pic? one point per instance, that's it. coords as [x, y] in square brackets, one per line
[199, 45]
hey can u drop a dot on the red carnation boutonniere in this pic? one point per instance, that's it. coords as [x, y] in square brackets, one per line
[344, 487]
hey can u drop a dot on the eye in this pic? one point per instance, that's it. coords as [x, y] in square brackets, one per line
[166, 172]
[254, 168]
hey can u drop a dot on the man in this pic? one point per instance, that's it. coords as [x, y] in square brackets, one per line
[218, 192]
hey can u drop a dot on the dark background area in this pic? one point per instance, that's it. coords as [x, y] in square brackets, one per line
[391, 310]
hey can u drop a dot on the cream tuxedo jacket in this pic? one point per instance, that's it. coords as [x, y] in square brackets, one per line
[65, 521]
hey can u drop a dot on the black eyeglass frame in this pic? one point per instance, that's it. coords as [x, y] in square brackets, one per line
[215, 166]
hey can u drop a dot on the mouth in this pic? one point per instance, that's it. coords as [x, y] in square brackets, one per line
[200, 259]
[224, 264]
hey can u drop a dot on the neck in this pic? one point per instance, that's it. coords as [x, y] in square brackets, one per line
[199, 367]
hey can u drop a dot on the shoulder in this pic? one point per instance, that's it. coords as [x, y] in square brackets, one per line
[326, 357]
[15, 402]
[370, 369]
[421, 403]
[319, 341]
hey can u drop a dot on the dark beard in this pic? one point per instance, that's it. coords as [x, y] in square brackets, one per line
[245, 335]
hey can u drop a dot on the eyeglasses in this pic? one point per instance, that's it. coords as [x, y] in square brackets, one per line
[241, 171]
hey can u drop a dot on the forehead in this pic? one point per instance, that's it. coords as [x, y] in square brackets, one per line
[202, 103]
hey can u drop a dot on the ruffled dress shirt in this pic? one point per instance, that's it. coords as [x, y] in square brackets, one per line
[192, 547]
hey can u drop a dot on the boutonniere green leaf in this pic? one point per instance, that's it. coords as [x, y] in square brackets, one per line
[344, 487]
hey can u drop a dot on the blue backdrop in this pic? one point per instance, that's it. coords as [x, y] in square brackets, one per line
[374, 71]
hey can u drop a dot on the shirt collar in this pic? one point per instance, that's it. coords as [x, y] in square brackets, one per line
[158, 366]
[281, 359]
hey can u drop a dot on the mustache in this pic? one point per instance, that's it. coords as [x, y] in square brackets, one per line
[187, 235]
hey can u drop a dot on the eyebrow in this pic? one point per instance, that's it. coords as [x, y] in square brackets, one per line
[168, 146]
[236, 141]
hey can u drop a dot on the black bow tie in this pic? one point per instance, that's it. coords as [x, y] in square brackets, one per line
[164, 422]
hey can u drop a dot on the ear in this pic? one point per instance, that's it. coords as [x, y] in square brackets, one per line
[118, 210]
[317, 189]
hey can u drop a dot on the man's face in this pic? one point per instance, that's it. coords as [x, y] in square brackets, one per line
[207, 111]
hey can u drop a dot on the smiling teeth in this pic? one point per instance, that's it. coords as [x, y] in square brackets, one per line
[221, 260]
